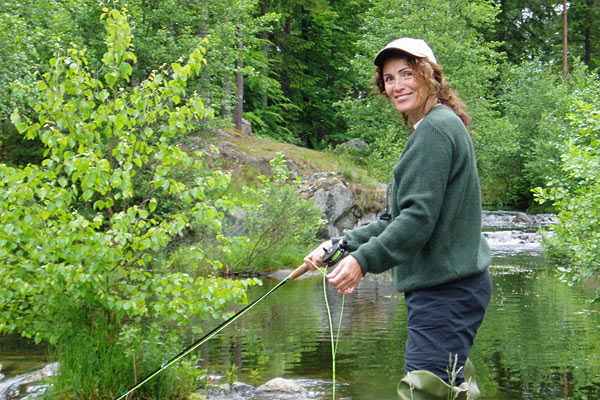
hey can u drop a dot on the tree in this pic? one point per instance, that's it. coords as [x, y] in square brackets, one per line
[29, 32]
[315, 42]
[82, 230]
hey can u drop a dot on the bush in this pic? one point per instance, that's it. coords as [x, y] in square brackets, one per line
[279, 226]
[576, 193]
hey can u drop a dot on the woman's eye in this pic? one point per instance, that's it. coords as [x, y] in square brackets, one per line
[388, 79]
[407, 74]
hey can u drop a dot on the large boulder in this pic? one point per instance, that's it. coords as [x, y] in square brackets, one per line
[337, 202]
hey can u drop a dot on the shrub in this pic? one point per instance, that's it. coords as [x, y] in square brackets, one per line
[279, 226]
[576, 194]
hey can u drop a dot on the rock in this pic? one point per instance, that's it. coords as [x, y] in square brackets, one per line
[275, 389]
[522, 218]
[229, 153]
[335, 199]
[14, 387]
[246, 127]
[280, 388]
[260, 163]
[338, 203]
[354, 145]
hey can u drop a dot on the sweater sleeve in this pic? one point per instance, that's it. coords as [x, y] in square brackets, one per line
[421, 178]
[358, 236]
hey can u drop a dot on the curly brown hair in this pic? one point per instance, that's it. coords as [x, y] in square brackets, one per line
[431, 75]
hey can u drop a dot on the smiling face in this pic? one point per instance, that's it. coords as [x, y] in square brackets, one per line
[404, 90]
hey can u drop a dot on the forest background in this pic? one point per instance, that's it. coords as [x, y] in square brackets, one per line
[103, 207]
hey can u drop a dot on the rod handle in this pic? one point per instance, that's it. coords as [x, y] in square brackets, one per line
[298, 272]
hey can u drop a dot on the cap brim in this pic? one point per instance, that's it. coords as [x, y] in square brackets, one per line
[385, 53]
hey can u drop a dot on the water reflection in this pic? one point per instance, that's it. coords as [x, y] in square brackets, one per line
[539, 340]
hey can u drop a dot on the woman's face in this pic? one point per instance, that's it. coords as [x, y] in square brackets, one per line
[403, 88]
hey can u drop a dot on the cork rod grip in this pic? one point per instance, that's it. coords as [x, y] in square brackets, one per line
[298, 272]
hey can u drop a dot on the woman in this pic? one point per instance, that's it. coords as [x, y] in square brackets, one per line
[432, 243]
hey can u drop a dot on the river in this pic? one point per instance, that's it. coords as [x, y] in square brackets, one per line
[539, 339]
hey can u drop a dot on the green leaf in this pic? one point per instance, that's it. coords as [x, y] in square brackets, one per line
[152, 205]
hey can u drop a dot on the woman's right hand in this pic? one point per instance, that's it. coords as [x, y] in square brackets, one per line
[317, 254]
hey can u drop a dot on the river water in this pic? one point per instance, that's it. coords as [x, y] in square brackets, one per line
[540, 338]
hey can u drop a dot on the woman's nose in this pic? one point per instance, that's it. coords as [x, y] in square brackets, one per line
[398, 84]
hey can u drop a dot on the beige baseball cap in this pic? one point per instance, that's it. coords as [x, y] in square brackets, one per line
[416, 47]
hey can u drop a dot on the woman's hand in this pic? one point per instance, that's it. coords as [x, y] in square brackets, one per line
[346, 275]
[317, 254]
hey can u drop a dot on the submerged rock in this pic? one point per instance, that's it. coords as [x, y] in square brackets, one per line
[275, 389]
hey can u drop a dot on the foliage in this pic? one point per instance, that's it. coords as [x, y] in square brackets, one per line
[29, 32]
[78, 237]
[276, 222]
[531, 104]
[576, 195]
[313, 46]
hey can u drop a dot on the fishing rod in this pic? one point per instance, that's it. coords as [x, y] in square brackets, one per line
[332, 255]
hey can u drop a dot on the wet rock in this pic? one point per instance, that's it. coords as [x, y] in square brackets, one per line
[275, 389]
[522, 218]
[511, 219]
[280, 388]
[14, 387]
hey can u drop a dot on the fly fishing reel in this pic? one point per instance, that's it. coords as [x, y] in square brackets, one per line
[335, 253]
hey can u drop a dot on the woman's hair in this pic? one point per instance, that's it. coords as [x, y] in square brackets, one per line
[432, 77]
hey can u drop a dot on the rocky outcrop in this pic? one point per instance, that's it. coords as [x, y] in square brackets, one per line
[229, 153]
[344, 207]
[337, 201]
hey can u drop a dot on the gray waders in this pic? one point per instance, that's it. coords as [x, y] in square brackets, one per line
[425, 385]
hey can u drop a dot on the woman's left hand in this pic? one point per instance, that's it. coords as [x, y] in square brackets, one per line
[346, 275]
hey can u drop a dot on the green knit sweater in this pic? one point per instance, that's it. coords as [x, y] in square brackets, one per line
[434, 235]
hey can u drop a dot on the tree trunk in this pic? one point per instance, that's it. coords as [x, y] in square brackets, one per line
[238, 111]
[265, 50]
[587, 34]
[564, 40]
